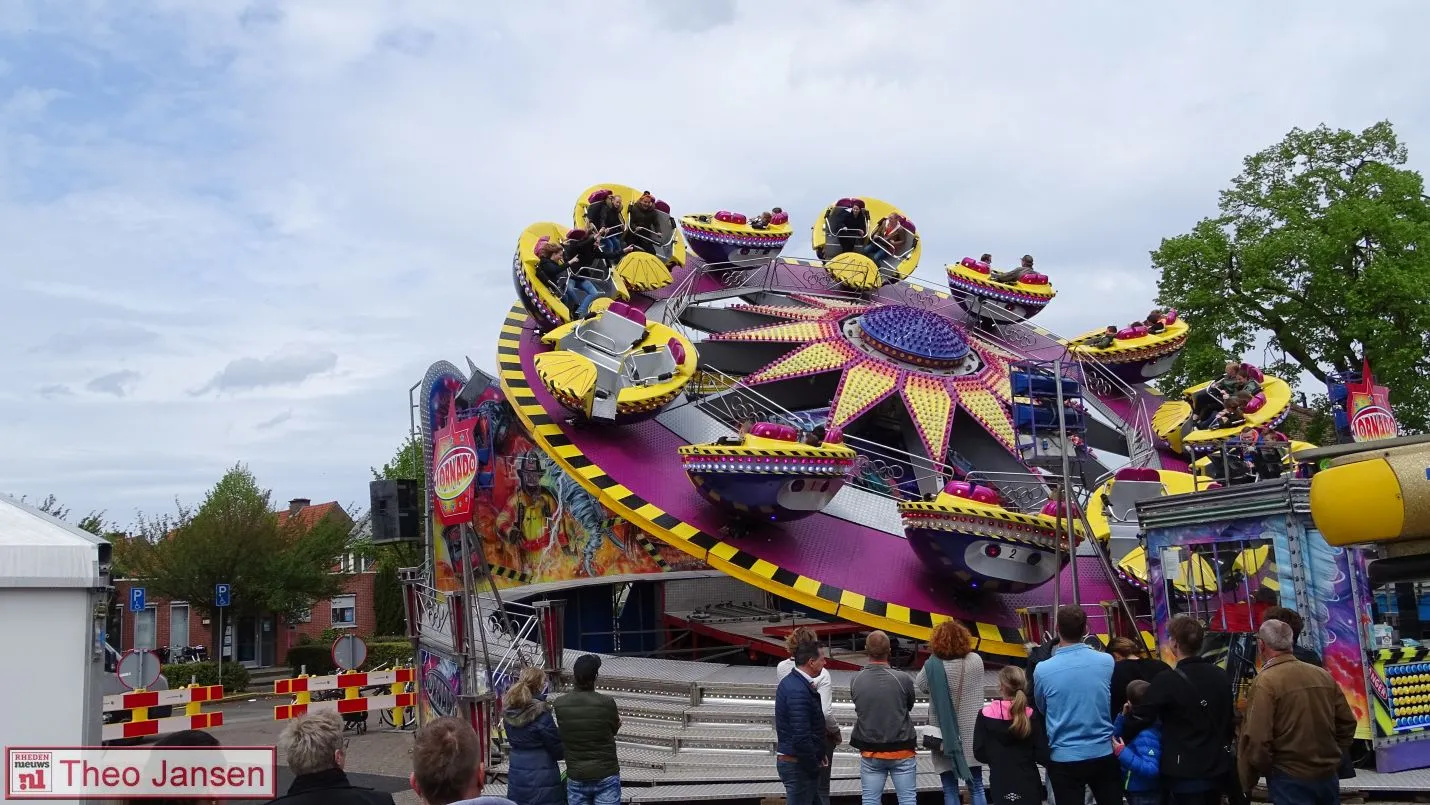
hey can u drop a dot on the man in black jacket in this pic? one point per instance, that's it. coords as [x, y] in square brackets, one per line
[799, 727]
[314, 747]
[1194, 703]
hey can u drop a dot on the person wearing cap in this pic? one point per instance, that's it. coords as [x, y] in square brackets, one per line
[1011, 277]
[588, 723]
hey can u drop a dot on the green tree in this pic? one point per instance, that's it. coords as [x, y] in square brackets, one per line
[234, 537]
[1322, 248]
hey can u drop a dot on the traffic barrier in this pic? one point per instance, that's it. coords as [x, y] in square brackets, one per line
[302, 688]
[140, 702]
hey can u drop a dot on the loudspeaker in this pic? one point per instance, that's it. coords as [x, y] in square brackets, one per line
[396, 513]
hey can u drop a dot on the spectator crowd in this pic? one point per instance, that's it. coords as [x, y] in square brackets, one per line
[1105, 727]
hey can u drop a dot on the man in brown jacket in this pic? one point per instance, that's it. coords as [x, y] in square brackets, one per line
[1296, 726]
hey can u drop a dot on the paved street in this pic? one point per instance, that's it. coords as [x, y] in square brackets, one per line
[381, 759]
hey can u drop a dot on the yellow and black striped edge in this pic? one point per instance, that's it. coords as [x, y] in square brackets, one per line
[518, 576]
[1001, 640]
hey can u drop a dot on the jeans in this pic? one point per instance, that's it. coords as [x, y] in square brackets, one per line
[611, 244]
[800, 786]
[1286, 790]
[951, 784]
[822, 789]
[601, 792]
[579, 296]
[875, 772]
[1071, 780]
[874, 252]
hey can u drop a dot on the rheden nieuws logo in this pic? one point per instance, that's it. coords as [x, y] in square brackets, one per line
[140, 772]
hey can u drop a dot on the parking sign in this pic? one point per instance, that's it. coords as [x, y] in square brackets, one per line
[136, 599]
[221, 595]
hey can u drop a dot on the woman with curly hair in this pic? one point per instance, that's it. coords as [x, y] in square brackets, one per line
[953, 678]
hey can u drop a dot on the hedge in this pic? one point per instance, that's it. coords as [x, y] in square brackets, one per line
[318, 658]
[235, 676]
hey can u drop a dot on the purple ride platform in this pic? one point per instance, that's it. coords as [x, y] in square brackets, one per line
[642, 457]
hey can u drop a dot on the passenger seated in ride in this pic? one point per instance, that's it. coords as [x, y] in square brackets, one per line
[1207, 401]
[890, 238]
[1230, 416]
[850, 225]
[1104, 339]
[1011, 277]
[815, 436]
[643, 224]
[577, 293]
[1156, 322]
[606, 225]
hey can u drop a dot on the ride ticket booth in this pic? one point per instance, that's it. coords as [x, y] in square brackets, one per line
[1226, 555]
[54, 590]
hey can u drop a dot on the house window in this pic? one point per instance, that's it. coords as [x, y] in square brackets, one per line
[345, 610]
[178, 625]
[306, 616]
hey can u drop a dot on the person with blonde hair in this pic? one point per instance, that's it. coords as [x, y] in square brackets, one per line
[534, 777]
[447, 765]
[953, 709]
[1008, 738]
[314, 747]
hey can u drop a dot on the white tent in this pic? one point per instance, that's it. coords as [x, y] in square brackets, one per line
[53, 578]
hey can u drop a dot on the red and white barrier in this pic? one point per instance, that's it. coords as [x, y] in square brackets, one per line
[309, 684]
[139, 703]
[346, 706]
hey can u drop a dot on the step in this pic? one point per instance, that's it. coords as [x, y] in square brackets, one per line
[753, 790]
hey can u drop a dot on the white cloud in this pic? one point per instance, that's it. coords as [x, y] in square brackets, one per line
[239, 177]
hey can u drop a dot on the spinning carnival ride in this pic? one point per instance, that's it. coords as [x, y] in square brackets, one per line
[843, 436]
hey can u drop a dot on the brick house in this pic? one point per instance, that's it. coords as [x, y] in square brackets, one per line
[260, 641]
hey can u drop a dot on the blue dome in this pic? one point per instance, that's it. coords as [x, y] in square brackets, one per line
[914, 335]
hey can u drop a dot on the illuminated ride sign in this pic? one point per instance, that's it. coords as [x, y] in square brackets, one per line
[1368, 407]
[454, 468]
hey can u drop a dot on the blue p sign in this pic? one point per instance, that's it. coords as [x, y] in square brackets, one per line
[136, 599]
[221, 595]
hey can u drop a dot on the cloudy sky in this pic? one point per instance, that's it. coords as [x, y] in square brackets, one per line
[240, 231]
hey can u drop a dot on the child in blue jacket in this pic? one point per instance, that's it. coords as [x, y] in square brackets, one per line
[1141, 759]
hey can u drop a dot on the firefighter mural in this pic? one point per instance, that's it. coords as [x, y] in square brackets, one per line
[536, 523]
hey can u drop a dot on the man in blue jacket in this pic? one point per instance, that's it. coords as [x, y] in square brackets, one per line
[799, 727]
[1073, 691]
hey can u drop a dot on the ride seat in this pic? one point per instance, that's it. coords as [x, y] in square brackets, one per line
[779, 219]
[677, 350]
[663, 207]
[1170, 317]
[1056, 508]
[1131, 333]
[1034, 279]
[1258, 401]
[651, 367]
[1138, 474]
[598, 196]
[977, 265]
[834, 436]
[540, 242]
[763, 429]
[1255, 372]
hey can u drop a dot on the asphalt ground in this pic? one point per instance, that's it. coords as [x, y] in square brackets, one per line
[380, 759]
